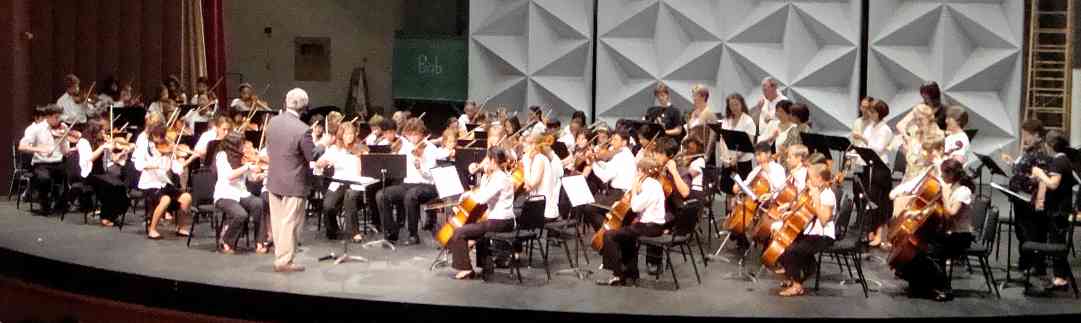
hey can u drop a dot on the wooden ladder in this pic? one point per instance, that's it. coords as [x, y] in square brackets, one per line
[1050, 63]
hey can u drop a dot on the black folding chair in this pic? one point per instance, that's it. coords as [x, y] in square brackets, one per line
[528, 230]
[849, 247]
[202, 201]
[987, 217]
[680, 236]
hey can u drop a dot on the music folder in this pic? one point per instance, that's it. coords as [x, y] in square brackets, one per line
[1025, 197]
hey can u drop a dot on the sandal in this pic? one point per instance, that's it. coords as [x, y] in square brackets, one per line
[226, 249]
[107, 223]
[792, 291]
[468, 275]
[261, 248]
[358, 238]
[153, 236]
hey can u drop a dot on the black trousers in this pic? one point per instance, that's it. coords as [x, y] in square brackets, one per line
[407, 198]
[459, 242]
[112, 193]
[1029, 225]
[262, 222]
[620, 250]
[46, 176]
[596, 215]
[799, 260]
[236, 212]
[345, 200]
[927, 271]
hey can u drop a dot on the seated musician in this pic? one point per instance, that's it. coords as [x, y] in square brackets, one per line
[957, 142]
[618, 173]
[496, 191]
[470, 116]
[42, 140]
[75, 106]
[538, 174]
[344, 158]
[798, 260]
[231, 195]
[621, 245]
[417, 188]
[161, 187]
[931, 152]
[663, 152]
[96, 156]
[925, 273]
[374, 138]
[221, 126]
[243, 103]
[773, 173]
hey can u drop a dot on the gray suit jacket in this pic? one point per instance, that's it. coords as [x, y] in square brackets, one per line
[289, 146]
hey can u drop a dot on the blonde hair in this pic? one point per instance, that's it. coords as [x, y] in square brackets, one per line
[799, 150]
[934, 141]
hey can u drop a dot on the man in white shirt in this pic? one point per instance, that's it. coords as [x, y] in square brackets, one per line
[74, 112]
[767, 104]
[48, 154]
[417, 188]
[468, 117]
[618, 173]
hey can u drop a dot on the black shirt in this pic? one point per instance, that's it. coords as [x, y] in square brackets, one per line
[669, 117]
[1058, 199]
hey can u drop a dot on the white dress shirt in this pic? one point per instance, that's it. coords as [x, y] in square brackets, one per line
[828, 229]
[422, 175]
[618, 172]
[85, 153]
[498, 193]
[463, 121]
[226, 188]
[878, 138]
[769, 110]
[775, 175]
[346, 167]
[39, 135]
[158, 177]
[547, 185]
[698, 165]
[205, 139]
[957, 145]
[73, 113]
[746, 125]
[239, 105]
[649, 202]
[567, 137]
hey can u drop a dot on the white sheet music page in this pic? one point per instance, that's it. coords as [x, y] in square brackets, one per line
[577, 190]
[447, 182]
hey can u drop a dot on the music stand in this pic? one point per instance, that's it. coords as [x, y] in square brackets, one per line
[383, 167]
[992, 166]
[741, 272]
[134, 116]
[874, 164]
[479, 143]
[471, 126]
[379, 149]
[1014, 198]
[363, 129]
[344, 257]
[816, 143]
[463, 157]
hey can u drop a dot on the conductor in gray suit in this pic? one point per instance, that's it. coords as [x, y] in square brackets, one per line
[289, 146]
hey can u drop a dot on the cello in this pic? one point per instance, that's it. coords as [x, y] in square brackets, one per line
[794, 223]
[470, 210]
[787, 196]
[742, 216]
[906, 232]
[614, 218]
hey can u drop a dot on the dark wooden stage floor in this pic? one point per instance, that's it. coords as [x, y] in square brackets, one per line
[400, 280]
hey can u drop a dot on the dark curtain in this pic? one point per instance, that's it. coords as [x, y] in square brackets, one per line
[213, 23]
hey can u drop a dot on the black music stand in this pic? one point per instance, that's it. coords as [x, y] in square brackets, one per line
[874, 164]
[379, 149]
[992, 166]
[134, 117]
[1014, 198]
[737, 141]
[344, 257]
[463, 157]
[741, 272]
[471, 126]
[383, 167]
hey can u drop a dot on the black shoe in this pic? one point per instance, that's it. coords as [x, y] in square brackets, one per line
[941, 296]
[614, 281]
[411, 241]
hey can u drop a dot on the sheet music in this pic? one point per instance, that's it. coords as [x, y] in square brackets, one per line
[743, 187]
[447, 182]
[1021, 196]
[577, 191]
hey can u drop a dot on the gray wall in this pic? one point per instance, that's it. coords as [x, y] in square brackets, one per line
[357, 29]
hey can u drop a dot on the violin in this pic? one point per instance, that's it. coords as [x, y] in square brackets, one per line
[86, 97]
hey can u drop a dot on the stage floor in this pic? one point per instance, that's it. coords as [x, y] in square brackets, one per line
[403, 276]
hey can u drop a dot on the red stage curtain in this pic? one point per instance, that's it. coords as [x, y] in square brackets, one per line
[213, 24]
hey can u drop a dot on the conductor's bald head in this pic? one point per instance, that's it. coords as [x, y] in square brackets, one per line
[296, 99]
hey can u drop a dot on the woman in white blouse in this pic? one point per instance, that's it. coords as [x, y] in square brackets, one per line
[798, 260]
[620, 250]
[344, 158]
[873, 133]
[96, 157]
[736, 119]
[497, 192]
[230, 192]
[538, 173]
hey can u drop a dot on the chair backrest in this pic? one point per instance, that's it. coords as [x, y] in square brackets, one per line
[899, 162]
[978, 212]
[990, 227]
[202, 187]
[686, 220]
[844, 217]
[532, 217]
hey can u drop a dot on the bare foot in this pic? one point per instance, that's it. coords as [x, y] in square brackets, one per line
[794, 290]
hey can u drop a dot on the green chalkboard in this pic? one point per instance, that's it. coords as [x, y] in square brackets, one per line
[430, 68]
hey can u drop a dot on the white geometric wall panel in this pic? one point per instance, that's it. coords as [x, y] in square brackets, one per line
[531, 52]
[972, 48]
[811, 47]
